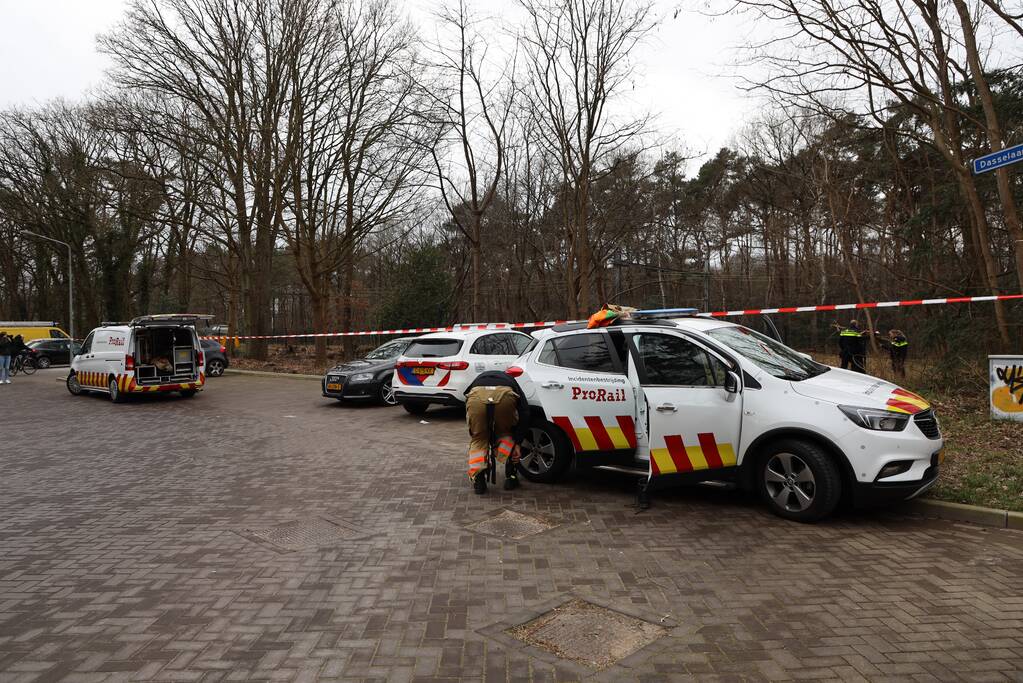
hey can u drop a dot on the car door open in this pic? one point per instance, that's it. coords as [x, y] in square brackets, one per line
[694, 407]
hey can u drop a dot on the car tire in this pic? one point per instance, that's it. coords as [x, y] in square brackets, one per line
[415, 407]
[115, 392]
[42, 362]
[546, 453]
[188, 393]
[799, 480]
[215, 367]
[74, 387]
[386, 393]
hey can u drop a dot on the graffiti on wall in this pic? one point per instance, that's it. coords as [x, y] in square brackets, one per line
[1007, 388]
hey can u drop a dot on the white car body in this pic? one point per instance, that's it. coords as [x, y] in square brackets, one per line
[440, 375]
[117, 359]
[675, 420]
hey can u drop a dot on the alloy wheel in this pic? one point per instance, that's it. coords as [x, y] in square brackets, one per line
[538, 452]
[790, 482]
[387, 394]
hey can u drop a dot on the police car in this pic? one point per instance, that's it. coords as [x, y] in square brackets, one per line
[437, 368]
[679, 398]
[155, 353]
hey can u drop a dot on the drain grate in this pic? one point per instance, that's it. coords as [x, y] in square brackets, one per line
[511, 524]
[589, 634]
[302, 534]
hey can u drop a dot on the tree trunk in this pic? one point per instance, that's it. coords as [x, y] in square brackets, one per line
[994, 136]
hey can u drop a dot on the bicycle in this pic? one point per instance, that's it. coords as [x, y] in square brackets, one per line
[22, 363]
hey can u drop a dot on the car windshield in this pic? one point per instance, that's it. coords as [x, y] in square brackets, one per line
[386, 351]
[767, 354]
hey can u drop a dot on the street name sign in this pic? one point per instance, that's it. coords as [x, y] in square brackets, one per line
[989, 162]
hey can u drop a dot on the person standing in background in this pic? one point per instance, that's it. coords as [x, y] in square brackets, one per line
[5, 358]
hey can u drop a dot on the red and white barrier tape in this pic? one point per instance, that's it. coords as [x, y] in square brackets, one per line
[551, 323]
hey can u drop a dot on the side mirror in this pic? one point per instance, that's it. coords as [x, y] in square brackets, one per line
[733, 385]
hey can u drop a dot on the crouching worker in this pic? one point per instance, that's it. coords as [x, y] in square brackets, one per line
[498, 418]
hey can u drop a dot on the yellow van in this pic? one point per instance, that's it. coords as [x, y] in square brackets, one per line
[29, 330]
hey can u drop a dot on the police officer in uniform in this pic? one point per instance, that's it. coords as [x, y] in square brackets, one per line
[852, 347]
[898, 349]
[498, 418]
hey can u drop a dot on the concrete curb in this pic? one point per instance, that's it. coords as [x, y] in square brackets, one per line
[261, 373]
[974, 514]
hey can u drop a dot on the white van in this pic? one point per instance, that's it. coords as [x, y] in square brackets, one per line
[677, 398]
[149, 354]
[439, 367]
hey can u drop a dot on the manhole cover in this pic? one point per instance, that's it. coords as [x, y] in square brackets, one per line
[591, 635]
[511, 524]
[304, 533]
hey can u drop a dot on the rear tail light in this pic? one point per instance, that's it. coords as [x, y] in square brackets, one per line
[129, 363]
[202, 358]
[223, 349]
[454, 365]
[514, 371]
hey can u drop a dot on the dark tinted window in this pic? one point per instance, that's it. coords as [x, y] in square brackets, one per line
[87, 346]
[434, 348]
[521, 343]
[581, 352]
[675, 361]
[44, 344]
[211, 344]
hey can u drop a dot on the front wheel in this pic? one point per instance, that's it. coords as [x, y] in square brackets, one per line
[799, 481]
[415, 407]
[386, 394]
[546, 453]
[73, 386]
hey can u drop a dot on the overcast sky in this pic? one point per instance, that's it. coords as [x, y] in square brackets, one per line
[48, 50]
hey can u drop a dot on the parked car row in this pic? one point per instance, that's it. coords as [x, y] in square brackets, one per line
[675, 398]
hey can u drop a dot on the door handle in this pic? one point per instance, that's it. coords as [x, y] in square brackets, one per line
[667, 408]
[552, 385]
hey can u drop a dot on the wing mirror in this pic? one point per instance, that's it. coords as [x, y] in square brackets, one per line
[733, 385]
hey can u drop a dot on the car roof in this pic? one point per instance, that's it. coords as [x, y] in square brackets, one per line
[467, 334]
[698, 323]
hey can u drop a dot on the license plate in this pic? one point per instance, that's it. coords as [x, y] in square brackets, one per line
[423, 371]
[334, 387]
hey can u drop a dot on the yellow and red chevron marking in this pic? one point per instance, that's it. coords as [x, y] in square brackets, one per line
[906, 402]
[127, 383]
[92, 379]
[599, 435]
[678, 457]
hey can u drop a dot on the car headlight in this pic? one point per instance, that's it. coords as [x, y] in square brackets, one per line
[361, 377]
[876, 419]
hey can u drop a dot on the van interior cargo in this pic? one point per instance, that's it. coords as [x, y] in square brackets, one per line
[164, 354]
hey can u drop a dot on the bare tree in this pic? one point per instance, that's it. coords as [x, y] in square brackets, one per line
[577, 56]
[475, 103]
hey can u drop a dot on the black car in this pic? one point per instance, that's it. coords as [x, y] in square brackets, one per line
[367, 378]
[47, 352]
[216, 357]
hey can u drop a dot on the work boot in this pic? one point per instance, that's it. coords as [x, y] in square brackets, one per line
[511, 477]
[479, 483]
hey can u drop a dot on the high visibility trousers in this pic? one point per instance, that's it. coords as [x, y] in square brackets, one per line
[503, 400]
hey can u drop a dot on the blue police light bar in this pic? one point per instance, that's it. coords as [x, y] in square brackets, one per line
[665, 313]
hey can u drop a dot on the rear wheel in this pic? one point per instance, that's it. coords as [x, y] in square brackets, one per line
[799, 481]
[415, 407]
[73, 385]
[386, 393]
[188, 393]
[214, 367]
[115, 392]
[43, 362]
[546, 453]
[28, 366]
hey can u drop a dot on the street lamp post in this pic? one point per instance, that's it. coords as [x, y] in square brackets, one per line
[70, 279]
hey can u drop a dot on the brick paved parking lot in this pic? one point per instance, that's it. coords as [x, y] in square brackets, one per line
[260, 532]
